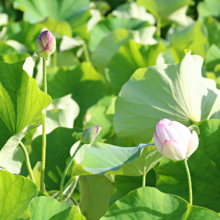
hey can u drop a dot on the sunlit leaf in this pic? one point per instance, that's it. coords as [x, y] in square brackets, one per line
[150, 203]
[16, 195]
[21, 107]
[108, 159]
[177, 92]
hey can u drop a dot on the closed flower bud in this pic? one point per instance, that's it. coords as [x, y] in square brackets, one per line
[89, 134]
[174, 140]
[45, 44]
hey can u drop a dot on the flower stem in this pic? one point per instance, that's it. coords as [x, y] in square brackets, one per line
[43, 156]
[144, 180]
[28, 164]
[66, 170]
[85, 49]
[189, 182]
[158, 27]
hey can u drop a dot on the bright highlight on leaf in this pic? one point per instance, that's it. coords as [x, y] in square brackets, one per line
[176, 92]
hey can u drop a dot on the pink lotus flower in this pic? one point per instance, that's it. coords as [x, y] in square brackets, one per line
[45, 44]
[174, 140]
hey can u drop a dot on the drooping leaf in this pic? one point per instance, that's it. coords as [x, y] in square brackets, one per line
[110, 24]
[21, 107]
[128, 59]
[108, 159]
[208, 8]
[176, 92]
[150, 203]
[73, 11]
[95, 193]
[16, 193]
[165, 10]
[132, 10]
[45, 208]
[59, 142]
[171, 176]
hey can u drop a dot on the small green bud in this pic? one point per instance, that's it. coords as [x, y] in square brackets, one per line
[45, 44]
[89, 134]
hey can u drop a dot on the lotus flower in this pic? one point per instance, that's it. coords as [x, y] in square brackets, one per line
[89, 134]
[45, 44]
[174, 140]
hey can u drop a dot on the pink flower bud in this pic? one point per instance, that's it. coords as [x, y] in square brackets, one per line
[89, 134]
[45, 44]
[174, 140]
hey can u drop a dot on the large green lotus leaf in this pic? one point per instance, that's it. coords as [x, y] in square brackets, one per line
[208, 8]
[21, 107]
[166, 11]
[109, 46]
[132, 10]
[176, 92]
[83, 82]
[150, 203]
[45, 208]
[128, 59]
[213, 28]
[59, 142]
[204, 167]
[73, 11]
[61, 113]
[16, 193]
[108, 159]
[95, 193]
[104, 27]
[192, 37]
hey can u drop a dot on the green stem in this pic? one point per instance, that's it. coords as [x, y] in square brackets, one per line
[158, 27]
[144, 180]
[66, 170]
[189, 182]
[85, 49]
[28, 164]
[43, 156]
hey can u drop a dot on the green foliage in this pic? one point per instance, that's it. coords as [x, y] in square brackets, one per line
[44, 208]
[21, 108]
[150, 203]
[95, 193]
[164, 91]
[122, 65]
[16, 194]
[107, 159]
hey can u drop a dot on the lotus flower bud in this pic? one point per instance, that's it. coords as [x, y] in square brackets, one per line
[45, 44]
[89, 134]
[174, 140]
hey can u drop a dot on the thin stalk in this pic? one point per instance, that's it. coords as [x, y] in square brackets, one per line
[144, 180]
[66, 170]
[28, 164]
[85, 49]
[189, 182]
[43, 156]
[158, 27]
